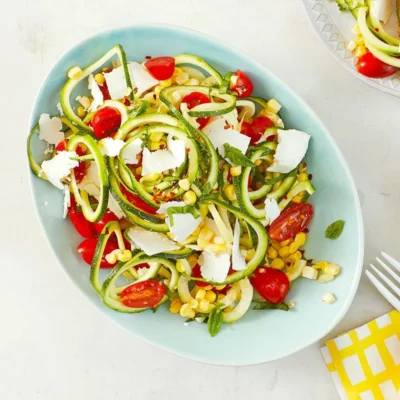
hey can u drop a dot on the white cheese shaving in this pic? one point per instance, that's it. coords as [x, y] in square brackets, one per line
[151, 242]
[185, 112]
[90, 182]
[60, 110]
[292, 148]
[164, 207]
[59, 167]
[141, 78]
[272, 210]
[177, 148]
[132, 150]
[218, 136]
[50, 129]
[211, 224]
[232, 118]
[114, 207]
[238, 261]
[67, 200]
[116, 83]
[111, 147]
[158, 161]
[214, 267]
[184, 225]
[97, 94]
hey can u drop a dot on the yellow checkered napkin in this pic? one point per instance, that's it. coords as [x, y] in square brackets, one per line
[365, 362]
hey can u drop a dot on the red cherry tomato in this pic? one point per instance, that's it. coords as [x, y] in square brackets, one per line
[259, 125]
[271, 284]
[143, 294]
[87, 248]
[138, 202]
[248, 131]
[194, 99]
[80, 170]
[241, 84]
[109, 216]
[106, 121]
[81, 224]
[161, 68]
[196, 273]
[372, 67]
[62, 146]
[104, 90]
[292, 221]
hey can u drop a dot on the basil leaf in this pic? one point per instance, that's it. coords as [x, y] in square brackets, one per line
[236, 156]
[265, 305]
[191, 209]
[334, 230]
[214, 322]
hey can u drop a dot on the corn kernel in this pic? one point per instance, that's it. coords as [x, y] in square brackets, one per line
[220, 287]
[158, 89]
[125, 256]
[209, 81]
[209, 287]
[236, 171]
[285, 243]
[303, 167]
[164, 272]
[184, 310]
[295, 257]
[175, 306]
[201, 294]
[154, 146]
[284, 251]
[273, 106]
[192, 82]
[112, 257]
[331, 269]
[276, 245]
[192, 260]
[300, 239]
[320, 264]
[293, 247]
[360, 51]
[272, 253]
[302, 177]
[156, 136]
[359, 41]
[184, 184]
[309, 273]
[203, 305]
[230, 192]
[99, 78]
[182, 78]
[193, 303]
[177, 71]
[356, 30]
[85, 102]
[180, 266]
[151, 177]
[202, 243]
[250, 254]
[297, 199]
[80, 111]
[216, 248]
[291, 304]
[211, 296]
[206, 234]
[257, 163]
[277, 263]
[138, 171]
[190, 197]
[166, 83]
[75, 73]
[328, 298]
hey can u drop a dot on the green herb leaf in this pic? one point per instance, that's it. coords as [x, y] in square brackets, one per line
[214, 322]
[236, 156]
[334, 230]
[190, 209]
[265, 305]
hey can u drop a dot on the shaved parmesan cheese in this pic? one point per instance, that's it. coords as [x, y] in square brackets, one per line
[238, 261]
[184, 226]
[272, 210]
[150, 242]
[142, 271]
[210, 224]
[111, 147]
[97, 94]
[59, 108]
[67, 200]
[292, 148]
[141, 79]
[214, 267]
[50, 129]
[114, 207]
[116, 83]
[91, 182]
[59, 167]
[177, 148]
[164, 207]
[218, 136]
[185, 112]
[158, 161]
[131, 150]
[232, 118]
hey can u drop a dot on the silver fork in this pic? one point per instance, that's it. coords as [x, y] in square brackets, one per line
[386, 293]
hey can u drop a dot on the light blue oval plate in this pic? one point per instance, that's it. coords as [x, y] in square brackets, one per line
[260, 336]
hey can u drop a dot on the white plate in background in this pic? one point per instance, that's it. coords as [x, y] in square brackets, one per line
[334, 29]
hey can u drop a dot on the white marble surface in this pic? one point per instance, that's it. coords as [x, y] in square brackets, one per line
[76, 353]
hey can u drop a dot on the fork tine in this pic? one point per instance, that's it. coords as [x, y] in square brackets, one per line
[384, 292]
[394, 287]
[392, 261]
[388, 270]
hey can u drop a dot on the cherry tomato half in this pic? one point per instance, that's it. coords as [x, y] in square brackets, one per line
[161, 68]
[241, 84]
[80, 170]
[109, 216]
[87, 248]
[143, 294]
[106, 121]
[372, 67]
[194, 99]
[137, 201]
[259, 125]
[196, 273]
[271, 284]
[104, 90]
[81, 224]
[292, 221]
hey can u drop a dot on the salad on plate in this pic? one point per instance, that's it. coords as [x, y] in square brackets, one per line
[186, 188]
